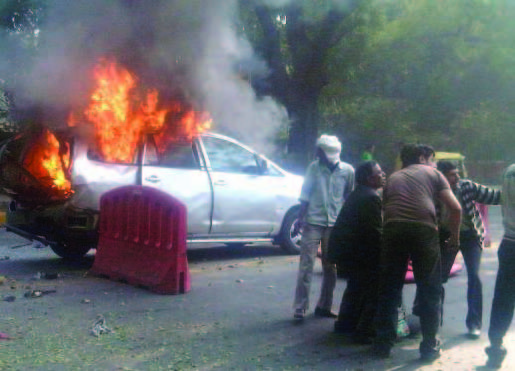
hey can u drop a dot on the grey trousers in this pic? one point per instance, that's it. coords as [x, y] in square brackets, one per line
[312, 237]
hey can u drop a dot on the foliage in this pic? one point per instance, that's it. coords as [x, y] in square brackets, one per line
[434, 71]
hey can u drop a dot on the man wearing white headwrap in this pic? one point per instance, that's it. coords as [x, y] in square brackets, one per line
[327, 183]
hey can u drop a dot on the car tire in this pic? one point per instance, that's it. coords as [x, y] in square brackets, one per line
[68, 251]
[290, 243]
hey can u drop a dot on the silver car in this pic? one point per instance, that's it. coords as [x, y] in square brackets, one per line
[233, 194]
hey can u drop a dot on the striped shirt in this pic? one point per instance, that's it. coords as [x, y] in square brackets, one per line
[469, 194]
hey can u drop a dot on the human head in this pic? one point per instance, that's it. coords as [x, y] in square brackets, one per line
[331, 147]
[450, 170]
[428, 155]
[370, 174]
[412, 154]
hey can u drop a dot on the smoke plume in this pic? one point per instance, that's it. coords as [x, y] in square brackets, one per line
[185, 47]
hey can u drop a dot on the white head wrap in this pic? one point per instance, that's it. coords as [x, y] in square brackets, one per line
[331, 147]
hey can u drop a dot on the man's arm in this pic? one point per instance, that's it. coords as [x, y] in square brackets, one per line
[486, 195]
[449, 200]
[302, 217]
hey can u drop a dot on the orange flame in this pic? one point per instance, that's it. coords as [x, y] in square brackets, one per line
[48, 161]
[123, 112]
[120, 113]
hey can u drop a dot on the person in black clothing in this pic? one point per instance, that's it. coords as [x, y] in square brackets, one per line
[355, 245]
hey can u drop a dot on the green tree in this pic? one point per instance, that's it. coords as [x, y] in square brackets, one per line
[297, 41]
[433, 71]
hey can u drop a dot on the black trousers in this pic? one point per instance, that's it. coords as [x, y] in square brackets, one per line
[420, 243]
[504, 294]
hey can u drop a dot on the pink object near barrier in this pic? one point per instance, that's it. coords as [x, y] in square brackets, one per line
[142, 239]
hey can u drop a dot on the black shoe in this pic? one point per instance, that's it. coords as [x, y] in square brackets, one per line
[430, 356]
[430, 352]
[496, 356]
[319, 312]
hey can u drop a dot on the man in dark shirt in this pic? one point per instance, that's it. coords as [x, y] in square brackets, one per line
[410, 230]
[355, 246]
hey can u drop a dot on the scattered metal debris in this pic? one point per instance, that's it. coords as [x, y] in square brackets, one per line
[38, 293]
[99, 327]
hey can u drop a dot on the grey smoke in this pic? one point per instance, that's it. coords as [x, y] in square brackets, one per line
[190, 45]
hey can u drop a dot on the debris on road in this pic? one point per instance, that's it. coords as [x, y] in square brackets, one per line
[4, 336]
[46, 276]
[99, 327]
[9, 298]
[38, 293]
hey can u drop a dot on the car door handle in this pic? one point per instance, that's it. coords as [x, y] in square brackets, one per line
[220, 182]
[152, 179]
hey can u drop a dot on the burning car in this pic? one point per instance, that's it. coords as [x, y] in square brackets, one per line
[56, 178]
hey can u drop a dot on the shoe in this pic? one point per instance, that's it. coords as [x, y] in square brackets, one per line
[428, 352]
[430, 356]
[474, 333]
[299, 314]
[380, 350]
[319, 312]
[496, 356]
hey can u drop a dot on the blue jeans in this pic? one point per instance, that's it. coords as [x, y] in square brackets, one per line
[471, 250]
[419, 242]
[504, 294]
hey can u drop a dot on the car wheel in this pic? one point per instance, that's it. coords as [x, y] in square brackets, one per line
[69, 251]
[288, 241]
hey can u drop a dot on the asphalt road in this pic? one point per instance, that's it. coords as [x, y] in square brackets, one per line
[237, 316]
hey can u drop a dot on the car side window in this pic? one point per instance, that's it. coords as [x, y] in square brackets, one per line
[229, 157]
[177, 154]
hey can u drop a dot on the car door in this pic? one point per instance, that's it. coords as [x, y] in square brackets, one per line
[244, 201]
[177, 169]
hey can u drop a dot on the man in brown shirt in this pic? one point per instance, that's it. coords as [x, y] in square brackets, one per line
[410, 230]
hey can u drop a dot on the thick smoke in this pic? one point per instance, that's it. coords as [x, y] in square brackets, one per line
[186, 46]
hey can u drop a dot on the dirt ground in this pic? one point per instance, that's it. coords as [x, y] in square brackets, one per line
[237, 316]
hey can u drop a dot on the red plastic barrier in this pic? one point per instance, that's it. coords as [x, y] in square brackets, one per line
[142, 239]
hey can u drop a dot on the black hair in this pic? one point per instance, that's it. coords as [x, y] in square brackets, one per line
[446, 166]
[410, 153]
[427, 151]
[363, 171]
